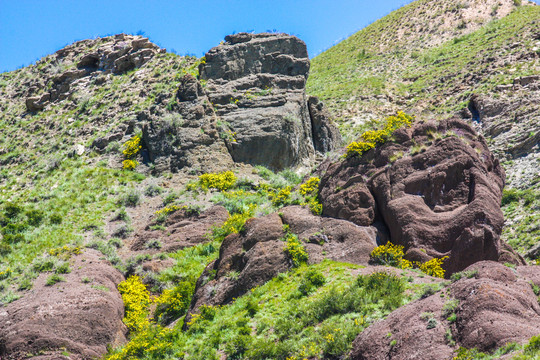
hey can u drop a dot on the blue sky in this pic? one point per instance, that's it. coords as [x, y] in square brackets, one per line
[31, 29]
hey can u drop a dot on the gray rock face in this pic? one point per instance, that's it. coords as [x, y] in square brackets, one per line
[512, 122]
[186, 137]
[256, 83]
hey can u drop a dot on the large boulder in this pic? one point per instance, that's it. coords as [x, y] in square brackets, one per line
[257, 84]
[436, 186]
[256, 255]
[78, 316]
[488, 308]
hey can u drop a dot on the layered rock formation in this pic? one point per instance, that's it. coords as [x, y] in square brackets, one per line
[76, 316]
[510, 119]
[437, 187]
[116, 55]
[488, 308]
[257, 254]
[256, 82]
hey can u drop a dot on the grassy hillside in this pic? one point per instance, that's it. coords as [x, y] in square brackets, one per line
[376, 71]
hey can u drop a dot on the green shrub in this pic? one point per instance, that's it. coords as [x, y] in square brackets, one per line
[131, 199]
[533, 347]
[34, 217]
[55, 219]
[311, 281]
[153, 190]
[295, 250]
[4, 249]
[53, 279]
[63, 268]
[12, 210]
[172, 304]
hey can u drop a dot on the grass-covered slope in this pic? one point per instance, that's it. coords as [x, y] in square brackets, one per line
[396, 63]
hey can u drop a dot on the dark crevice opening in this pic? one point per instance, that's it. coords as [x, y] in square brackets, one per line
[474, 111]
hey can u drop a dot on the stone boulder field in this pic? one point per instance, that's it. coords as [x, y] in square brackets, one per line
[258, 204]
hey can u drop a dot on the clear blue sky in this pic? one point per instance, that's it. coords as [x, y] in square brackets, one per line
[31, 29]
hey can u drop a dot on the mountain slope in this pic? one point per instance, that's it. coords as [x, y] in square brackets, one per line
[484, 70]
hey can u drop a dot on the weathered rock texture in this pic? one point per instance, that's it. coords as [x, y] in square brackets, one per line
[80, 318]
[493, 308]
[257, 254]
[182, 229]
[122, 53]
[257, 84]
[188, 138]
[511, 120]
[437, 188]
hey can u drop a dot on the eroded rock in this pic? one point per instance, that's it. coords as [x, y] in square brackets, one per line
[256, 255]
[73, 316]
[437, 188]
[257, 84]
[183, 229]
[492, 308]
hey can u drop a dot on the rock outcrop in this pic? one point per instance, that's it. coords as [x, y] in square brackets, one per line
[183, 228]
[75, 316]
[116, 55]
[188, 136]
[257, 82]
[256, 255]
[437, 188]
[511, 120]
[488, 308]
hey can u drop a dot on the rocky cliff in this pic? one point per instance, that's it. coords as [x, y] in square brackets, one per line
[243, 229]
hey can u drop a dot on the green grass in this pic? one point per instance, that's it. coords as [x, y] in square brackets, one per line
[343, 73]
[280, 319]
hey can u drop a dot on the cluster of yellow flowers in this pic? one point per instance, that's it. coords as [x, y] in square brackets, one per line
[4, 274]
[295, 249]
[65, 252]
[392, 255]
[315, 206]
[170, 209]
[132, 148]
[310, 186]
[433, 267]
[280, 197]
[136, 301]
[149, 341]
[235, 222]
[220, 181]
[373, 137]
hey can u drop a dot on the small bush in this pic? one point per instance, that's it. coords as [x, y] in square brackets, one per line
[12, 210]
[34, 217]
[311, 281]
[153, 190]
[173, 304]
[371, 138]
[4, 249]
[136, 301]
[390, 255]
[132, 147]
[53, 279]
[295, 250]
[219, 181]
[433, 267]
[55, 219]
[131, 199]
